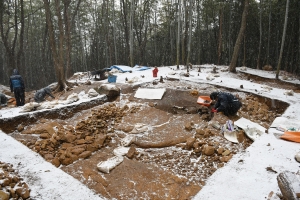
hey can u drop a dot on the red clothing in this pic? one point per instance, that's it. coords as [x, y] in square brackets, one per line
[155, 72]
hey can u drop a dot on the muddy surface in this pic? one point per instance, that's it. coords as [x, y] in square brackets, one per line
[172, 155]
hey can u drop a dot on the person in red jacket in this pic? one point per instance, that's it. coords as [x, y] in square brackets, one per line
[155, 71]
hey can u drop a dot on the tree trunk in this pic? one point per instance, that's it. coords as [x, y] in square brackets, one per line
[125, 24]
[69, 71]
[283, 38]
[220, 34]
[239, 38]
[57, 54]
[269, 33]
[189, 33]
[260, 34]
[131, 32]
[178, 35]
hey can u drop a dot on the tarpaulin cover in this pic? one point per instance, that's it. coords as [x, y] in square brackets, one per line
[124, 68]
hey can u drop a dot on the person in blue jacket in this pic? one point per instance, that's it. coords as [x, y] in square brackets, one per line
[17, 87]
[226, 103]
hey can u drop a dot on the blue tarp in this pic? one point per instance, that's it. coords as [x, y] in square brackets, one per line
[124, 68]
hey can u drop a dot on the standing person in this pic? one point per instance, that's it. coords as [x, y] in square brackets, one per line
[226, 103]
[17, 86]
[155, 71]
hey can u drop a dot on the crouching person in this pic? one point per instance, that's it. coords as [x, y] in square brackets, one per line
[3, 100]
[42, 93]
[226, 103]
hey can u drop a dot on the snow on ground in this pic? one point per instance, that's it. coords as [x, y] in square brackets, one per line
[244, 177]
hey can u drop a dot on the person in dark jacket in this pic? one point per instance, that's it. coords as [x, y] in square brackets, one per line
[17, 86]
[3, 100]
[42, 93]
[226, 103]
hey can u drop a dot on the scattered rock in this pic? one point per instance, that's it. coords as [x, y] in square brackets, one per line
[297, 157]
[189, 126]
[208, 150]
[130, 154]
[189, 143]
[11, 185]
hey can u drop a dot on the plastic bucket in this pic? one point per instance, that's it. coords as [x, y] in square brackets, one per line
[112, 79]
[204, 100]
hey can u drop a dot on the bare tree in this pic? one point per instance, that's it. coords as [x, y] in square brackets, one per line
[260, 33]
[131, 32]
[178, 34]
[283, 38]
[57, 52]
[239, 38]
[11, 22]
[190, 32]
[221, 15]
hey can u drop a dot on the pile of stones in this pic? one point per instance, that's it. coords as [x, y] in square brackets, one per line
[67, 143]
[12, 185]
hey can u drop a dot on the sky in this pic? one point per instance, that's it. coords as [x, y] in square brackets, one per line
[244, 177]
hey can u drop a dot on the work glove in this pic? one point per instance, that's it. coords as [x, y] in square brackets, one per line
[214, 110]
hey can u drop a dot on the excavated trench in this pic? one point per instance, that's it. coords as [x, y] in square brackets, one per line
[171, 159]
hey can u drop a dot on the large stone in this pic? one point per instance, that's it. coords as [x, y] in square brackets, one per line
[85, 154]
[78, 151]
[188, 126]
[79, 142]
[66, 145]
[208, 150]
[70, 138]
[92, 147]
[48, 156]
[45, 136]
[109, 90]
[99, 140]
[4, 195]
[23, 190]
[189, 143]
[67, 161]
[56, 162]
[131, 152]
[226, 153]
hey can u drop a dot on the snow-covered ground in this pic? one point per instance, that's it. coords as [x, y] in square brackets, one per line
[244, 177]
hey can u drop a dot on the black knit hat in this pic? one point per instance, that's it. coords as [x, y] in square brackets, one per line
[214, 95]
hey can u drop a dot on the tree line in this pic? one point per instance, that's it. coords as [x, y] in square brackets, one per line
[49, 40]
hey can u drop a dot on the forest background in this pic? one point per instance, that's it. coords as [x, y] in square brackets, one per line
[49, 40]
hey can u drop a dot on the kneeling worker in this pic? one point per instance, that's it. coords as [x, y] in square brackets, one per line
[42, 93]
[226, 103]
[3, 100]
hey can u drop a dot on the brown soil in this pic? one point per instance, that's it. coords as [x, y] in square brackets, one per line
[172, 160]
[277, 83]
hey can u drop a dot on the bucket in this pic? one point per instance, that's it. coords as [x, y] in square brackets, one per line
[204, 100]
[112, 79]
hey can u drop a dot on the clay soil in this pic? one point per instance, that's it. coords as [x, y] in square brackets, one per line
[172, 159]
